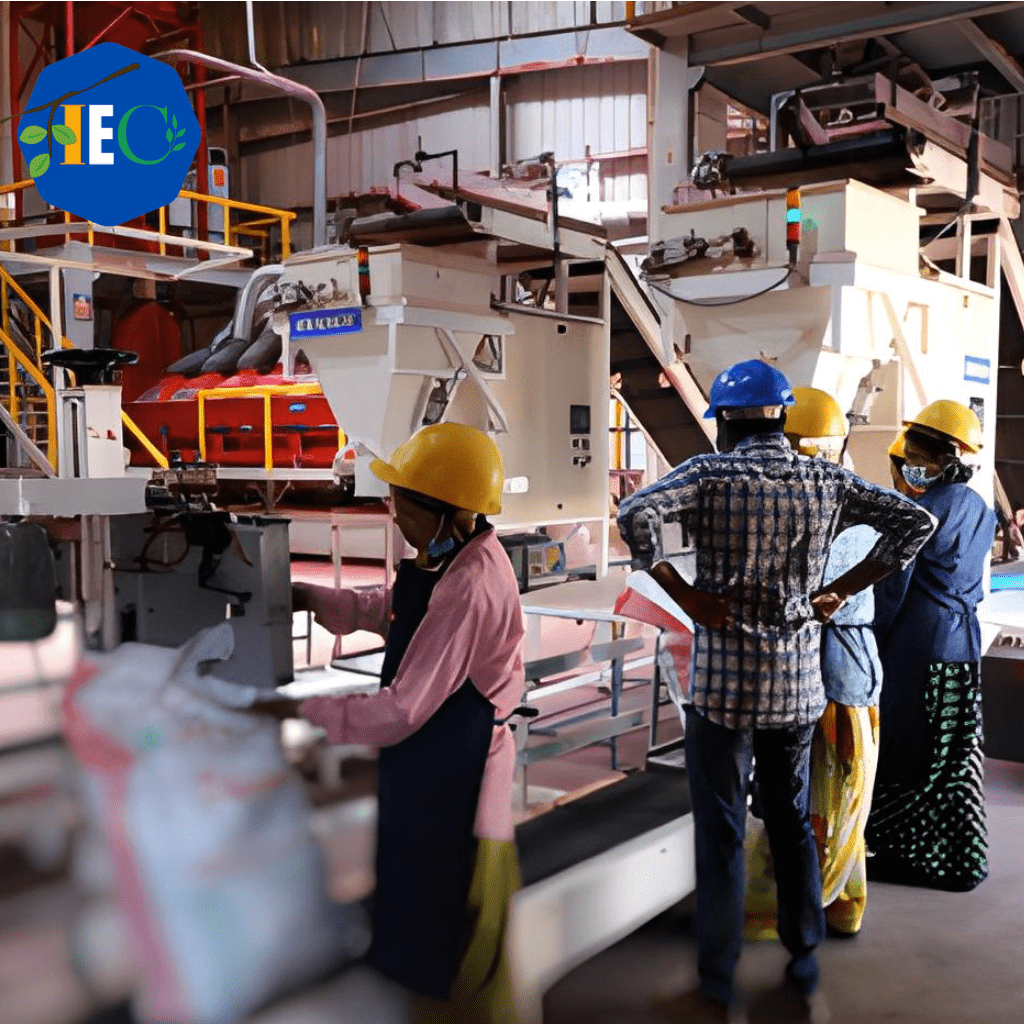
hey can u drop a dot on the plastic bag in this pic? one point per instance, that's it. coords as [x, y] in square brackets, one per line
[222, 884]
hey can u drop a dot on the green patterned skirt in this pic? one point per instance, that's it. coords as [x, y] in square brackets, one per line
[931, 831]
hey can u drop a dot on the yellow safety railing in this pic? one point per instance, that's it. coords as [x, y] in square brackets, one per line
[258, 228]
[15, 358]
[266, 392]
[270, 216]
[154, 453]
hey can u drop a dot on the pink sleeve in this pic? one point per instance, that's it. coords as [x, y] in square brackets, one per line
[437, 662]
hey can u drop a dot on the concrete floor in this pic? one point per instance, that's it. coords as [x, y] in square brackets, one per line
[923, 957]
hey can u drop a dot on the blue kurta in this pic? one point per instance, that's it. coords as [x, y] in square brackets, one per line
[850, 667]
[926, 614]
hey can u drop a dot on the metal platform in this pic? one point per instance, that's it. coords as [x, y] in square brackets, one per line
[35, 496]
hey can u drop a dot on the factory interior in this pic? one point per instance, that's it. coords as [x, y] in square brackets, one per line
[559, 224]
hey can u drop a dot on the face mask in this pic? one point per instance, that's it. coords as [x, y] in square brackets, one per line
[918, 478]
[436, 549]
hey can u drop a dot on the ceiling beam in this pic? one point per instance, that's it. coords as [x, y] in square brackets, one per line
[819, 25]
[995, 54]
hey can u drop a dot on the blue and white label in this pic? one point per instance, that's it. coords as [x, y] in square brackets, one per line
[322, 323]
[977, 370]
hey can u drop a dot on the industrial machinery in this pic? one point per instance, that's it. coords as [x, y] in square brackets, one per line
[872, 271]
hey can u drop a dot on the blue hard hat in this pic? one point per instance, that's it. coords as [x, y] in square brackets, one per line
[747, 385]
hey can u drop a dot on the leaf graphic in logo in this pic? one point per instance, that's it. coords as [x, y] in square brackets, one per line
[174, 120]
[178, 134]
[64, 135]
[40, 165]
[32, 134]
[170, 135]
[180, 145]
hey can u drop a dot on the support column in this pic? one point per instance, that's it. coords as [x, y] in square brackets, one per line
[670, 79]
[497, 154]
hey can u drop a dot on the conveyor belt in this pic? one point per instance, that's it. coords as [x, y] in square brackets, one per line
[576, 831]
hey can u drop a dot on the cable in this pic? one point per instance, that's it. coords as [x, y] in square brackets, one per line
[164, 566]
[723, 302]
[386, 26]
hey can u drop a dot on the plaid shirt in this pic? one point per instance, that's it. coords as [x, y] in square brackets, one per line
[762, 519]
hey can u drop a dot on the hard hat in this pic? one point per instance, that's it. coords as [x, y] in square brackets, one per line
[749, 385]
[815, 413]
[448, 462]
[898, 448]
[950, 421]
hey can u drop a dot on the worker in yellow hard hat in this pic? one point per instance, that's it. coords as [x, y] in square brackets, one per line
[815, 424]
[453, 672]
[897, 460]
[927, 824]
[844, 750]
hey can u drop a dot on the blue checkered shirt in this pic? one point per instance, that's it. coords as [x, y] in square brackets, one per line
[762, 519]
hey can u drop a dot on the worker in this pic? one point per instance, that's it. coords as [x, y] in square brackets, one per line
[897, 460]
[762, 520]
[844, 749]
[927, 824]
[446, 863]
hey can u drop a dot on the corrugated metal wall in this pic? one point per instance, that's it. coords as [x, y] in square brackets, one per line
[283, 177]
[602, 106]
[292, 33]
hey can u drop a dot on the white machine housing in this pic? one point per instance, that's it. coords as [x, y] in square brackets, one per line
[89, 432]
[544, 399]
[857, 315]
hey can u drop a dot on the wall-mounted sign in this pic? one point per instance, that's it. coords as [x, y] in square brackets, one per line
[83, 306]
[322, 323]
[977, 370]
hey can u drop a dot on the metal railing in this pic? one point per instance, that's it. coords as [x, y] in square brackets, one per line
[1002, 118]
[256, 228]
[28, 361]
[266, 392]
[32, 364]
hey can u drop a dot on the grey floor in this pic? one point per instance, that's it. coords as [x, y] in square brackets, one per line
[923, 957]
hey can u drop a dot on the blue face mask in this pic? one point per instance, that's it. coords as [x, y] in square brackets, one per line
[918, 477]
[437, 549]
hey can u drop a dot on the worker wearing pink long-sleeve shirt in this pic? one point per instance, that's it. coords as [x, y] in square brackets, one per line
[446, 862]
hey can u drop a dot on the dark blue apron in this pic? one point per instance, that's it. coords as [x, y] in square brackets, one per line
[429, 787]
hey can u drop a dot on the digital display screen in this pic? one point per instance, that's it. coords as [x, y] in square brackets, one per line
[579, 419]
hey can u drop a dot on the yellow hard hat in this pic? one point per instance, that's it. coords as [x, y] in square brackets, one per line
[949, 420]
[448, 462]
[815, 414]
[898, 448]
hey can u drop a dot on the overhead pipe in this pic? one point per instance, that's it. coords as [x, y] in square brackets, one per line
[287, 85]
[251, 29]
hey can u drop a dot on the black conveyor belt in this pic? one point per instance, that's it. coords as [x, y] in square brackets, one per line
[600, 821]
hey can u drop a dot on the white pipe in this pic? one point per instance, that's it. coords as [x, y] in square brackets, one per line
[311, 96]
[252, 38]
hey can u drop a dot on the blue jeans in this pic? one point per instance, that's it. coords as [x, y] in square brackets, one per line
[718, 763]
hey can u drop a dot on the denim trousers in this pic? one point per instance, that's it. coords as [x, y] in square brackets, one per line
[718, 762]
